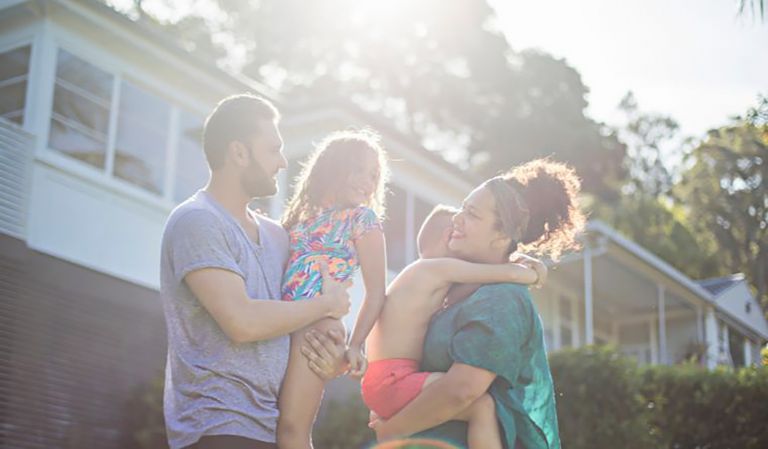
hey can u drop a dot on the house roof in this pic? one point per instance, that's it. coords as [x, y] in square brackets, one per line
[651, 259]
[716, 286]
[708, 289]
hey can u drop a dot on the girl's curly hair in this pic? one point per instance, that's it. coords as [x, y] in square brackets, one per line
[328, 169]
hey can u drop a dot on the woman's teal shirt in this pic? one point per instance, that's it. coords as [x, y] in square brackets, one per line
[498, 329]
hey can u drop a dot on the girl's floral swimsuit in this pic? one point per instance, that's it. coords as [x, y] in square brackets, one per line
[328, 236]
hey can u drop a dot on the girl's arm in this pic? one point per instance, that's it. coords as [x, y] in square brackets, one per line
[450, 270]
[372, 254]
[439, 402]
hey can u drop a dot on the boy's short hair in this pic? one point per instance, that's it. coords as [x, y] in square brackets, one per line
[234, 119]
[430, 224]
[439, 211]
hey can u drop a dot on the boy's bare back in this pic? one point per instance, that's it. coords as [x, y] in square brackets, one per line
[412, 298]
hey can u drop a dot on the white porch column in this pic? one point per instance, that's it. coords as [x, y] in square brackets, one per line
[725, 347]
[662, 306]
[589, 337]
[575, 334]
[556, 317]
[712, 338]
[747, 352]
[652, 341]
[410, 234]
[699, 324]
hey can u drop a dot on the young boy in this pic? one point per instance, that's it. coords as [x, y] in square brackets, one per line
[395, 343]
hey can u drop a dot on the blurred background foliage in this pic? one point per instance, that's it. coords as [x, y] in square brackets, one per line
[452, 80]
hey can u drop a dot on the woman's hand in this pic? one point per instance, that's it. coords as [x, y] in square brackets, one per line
[379, 426]
[357, 361]
[535, 264]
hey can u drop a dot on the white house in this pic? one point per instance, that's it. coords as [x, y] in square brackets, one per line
[100, 119]
[617, 292]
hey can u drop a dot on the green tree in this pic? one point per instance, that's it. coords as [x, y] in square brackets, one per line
[441, 71]
[726, 193]
[647, 212]
[646, 136]
[754, 7]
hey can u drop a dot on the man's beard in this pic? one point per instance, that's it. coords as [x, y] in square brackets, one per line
[256, 183]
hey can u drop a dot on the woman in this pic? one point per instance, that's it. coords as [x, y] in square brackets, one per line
[493, 341]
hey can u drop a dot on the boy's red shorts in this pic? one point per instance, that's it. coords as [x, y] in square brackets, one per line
[389, 384]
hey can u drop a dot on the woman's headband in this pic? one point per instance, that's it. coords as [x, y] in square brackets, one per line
[511, 208]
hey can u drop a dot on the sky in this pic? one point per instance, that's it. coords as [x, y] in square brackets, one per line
[695, 60]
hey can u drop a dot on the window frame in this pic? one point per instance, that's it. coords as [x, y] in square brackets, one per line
[120, 70]
[11, 43]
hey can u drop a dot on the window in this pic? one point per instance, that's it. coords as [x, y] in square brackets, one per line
[394, 228]
[191, 166]
[14, 72]
[81, 107]
[566, 337]
[142, 138]
[736, 347]
[136, 148]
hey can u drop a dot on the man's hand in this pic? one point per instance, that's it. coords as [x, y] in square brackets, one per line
[357, 361]
[335, 293]
[535, 264]
[326, 353]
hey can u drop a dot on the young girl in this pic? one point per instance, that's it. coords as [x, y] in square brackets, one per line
[332, 217]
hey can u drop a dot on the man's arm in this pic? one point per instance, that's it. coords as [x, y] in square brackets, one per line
[243, 319]
[450, 270]
[439, 402]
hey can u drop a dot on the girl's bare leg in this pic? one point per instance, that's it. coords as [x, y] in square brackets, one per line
[483, 428]
[301, 393]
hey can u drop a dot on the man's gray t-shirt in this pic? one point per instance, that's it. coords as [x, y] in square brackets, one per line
[212, 385]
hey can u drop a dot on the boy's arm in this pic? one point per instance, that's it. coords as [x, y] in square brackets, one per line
[450, 270]
[243, 319]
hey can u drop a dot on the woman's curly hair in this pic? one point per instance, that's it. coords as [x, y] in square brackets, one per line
[550, 191]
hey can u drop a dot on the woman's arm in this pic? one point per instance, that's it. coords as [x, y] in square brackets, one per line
[438, 402]
[371, 252]
[450, 270]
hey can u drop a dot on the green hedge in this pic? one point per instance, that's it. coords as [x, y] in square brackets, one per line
[721, 409]
[606, 401]
[599, 403]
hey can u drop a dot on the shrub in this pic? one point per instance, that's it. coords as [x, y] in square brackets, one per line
[343, 424]
[598, 401]
[606, 401]
[144, 421]
[721, 409]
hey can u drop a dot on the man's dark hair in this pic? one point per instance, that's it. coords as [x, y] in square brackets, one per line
[234, 119]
